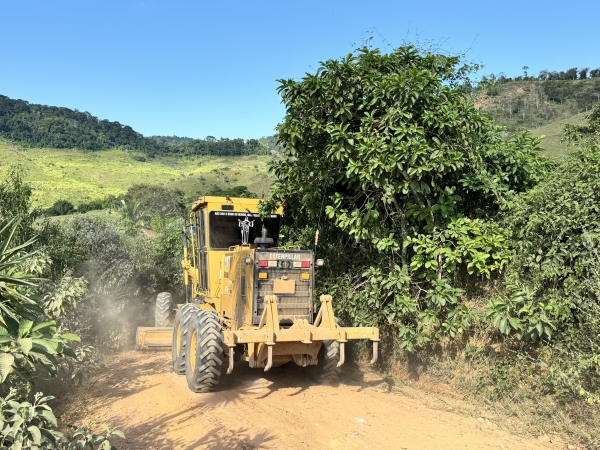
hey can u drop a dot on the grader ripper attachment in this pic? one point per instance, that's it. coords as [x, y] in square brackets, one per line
[247, 299]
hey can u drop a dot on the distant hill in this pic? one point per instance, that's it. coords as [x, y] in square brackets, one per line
[173, 140]
[525, 104]
[45, 126]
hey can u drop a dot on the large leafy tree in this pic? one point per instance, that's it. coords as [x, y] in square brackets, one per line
[408, 172]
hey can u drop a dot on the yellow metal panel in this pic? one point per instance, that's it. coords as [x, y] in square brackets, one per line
[297, 335]
[284, 286]
[215, 203]
[154, 337]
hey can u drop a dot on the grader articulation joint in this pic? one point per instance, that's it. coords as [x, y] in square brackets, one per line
[247, 299]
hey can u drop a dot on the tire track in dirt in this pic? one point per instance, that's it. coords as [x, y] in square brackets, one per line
[281, 409]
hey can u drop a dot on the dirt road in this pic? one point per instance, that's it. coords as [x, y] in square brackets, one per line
[281, 409]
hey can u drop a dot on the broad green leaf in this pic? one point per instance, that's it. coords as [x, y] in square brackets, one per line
[25, 345]
[70, 337]
[25, 327]
[36, 435]
[6, 362]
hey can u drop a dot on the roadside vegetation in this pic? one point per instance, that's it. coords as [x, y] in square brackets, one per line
[476, 255]
[71, 293]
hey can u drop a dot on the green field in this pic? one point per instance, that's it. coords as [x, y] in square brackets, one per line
[554, 133]
[78, 176]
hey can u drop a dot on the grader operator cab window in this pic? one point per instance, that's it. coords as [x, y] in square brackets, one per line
[229, 228]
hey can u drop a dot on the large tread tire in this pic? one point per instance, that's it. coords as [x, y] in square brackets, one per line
[327, 371]
[204, 353]
[182, 325]
[162, 312]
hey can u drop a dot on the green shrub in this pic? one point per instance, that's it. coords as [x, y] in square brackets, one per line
[26, 425]
[554, 279]
[236, 191]
[60, 208]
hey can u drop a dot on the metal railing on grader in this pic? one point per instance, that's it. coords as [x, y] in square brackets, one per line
[246, 299]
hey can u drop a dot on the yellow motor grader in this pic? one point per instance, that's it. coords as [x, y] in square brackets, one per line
[247, 299]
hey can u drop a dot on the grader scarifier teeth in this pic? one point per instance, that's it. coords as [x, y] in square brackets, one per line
[302, 341]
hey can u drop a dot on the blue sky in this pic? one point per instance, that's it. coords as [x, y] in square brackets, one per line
[210, 68]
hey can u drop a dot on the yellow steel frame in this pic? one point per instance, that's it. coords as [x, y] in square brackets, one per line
[268, 333]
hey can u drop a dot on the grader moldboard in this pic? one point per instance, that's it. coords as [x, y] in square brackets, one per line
[246, 299]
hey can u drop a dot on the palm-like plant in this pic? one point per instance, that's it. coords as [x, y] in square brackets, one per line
[14, 304]
[26, 342]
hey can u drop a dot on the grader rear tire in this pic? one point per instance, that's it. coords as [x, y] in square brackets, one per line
[162, 312]
[327, 371]
[184, 321]
[204, 352]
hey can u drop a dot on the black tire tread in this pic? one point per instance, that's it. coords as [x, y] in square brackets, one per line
[326, 371]
[162, 311]
[209, 352]
[329, 357]
[185, 316]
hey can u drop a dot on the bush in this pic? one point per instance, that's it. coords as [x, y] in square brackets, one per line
[237, 191]
[33, 426]
[60, 208]
[142, 201]
[554, 280]
[90, 206]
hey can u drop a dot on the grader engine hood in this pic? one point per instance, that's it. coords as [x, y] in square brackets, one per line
[289, 274]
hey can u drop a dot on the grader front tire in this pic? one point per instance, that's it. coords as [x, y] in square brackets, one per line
[204, 354]
[162, 311]
[182, 325]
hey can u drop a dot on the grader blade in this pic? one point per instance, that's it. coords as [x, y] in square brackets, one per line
[153, 337]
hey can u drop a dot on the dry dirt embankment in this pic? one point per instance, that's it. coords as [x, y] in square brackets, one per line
[280, 409]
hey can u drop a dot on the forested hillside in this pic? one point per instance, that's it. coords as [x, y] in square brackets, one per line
[55, 127]
[527, 102]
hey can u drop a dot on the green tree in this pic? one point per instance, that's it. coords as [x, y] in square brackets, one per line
[142, 201]
[408, 171]
[236, 191]
[571, 74]
[554, 277]
[27, 342]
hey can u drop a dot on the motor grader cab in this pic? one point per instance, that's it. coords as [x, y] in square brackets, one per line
[247, 299]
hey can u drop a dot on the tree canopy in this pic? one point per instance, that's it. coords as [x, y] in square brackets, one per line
[406, 170]
[51, 126]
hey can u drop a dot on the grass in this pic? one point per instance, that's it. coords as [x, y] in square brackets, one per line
[554, 132]
[77, 176]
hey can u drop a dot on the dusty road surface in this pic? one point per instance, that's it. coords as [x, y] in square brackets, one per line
[281, 409]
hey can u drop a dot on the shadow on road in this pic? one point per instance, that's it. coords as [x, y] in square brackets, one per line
[166, 399]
